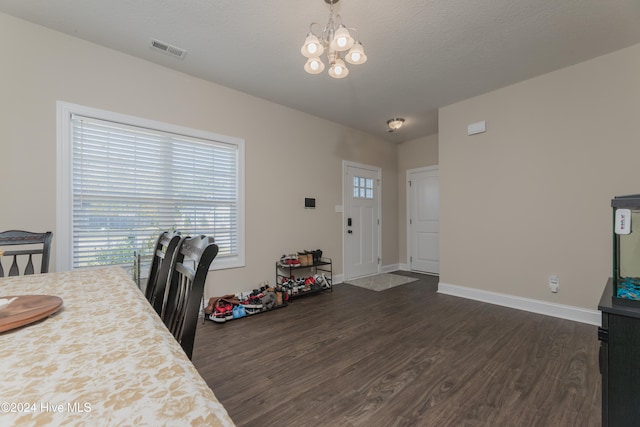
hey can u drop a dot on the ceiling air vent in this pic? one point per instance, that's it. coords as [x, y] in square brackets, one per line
[168, 49]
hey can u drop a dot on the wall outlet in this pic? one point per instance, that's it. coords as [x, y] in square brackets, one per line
[554, 283]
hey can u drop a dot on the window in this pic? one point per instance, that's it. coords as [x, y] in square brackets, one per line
[362, 188]
[123, 180]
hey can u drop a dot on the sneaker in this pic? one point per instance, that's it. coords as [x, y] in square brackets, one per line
[254, 301]
[229, 313]
[322, 280]
[293, 261]
[217, 319]
[283, 261]
[220, 312]
[251, 310]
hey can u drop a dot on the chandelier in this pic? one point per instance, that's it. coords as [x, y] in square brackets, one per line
[334, 38]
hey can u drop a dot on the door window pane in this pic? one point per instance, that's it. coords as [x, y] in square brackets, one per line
[362, 188]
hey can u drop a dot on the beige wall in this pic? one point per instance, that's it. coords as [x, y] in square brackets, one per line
[289, 155]
[531, 196]
[528, 198]
[417, 153]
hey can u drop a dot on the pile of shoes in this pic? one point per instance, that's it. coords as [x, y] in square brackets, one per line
[301, 259]
[229, 307]
[293, 286]
[221, 309]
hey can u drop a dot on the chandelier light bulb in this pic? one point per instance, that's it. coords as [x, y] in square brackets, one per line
[356, 55]
[338, 69]
[314, 66]
[312, 47]
[342, 39]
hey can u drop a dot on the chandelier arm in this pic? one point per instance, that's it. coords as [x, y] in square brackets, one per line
[311, 29]
[355, 31]
[324, 30]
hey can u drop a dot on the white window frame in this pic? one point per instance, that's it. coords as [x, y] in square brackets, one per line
[64, 197]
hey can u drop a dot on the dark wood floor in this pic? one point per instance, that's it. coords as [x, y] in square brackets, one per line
[406, 356]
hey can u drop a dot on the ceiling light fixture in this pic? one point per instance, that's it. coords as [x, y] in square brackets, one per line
[395, 124]
[334, 38]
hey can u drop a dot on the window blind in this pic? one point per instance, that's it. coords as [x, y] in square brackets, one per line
[131, 183]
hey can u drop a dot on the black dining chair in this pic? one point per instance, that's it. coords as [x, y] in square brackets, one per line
[29, 244]
[160, 271]
[186, 288]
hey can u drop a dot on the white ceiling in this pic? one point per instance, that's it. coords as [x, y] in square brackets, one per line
[423, 54]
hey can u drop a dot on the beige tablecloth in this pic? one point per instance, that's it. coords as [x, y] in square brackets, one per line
[105, 359]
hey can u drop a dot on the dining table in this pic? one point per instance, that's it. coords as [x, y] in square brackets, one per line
[103, 358]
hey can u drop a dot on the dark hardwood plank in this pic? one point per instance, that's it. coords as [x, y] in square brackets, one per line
[406, 356]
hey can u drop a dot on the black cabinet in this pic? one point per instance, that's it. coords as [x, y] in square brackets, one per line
[619, 338]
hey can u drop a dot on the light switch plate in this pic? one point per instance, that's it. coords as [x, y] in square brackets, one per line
[478, 127]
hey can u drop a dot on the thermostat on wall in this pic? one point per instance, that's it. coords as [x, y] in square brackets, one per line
[309, 203]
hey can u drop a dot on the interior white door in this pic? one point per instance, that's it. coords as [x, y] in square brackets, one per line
[361, 220]
[424, 242]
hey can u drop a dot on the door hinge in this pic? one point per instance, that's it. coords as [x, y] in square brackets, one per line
[378, 222]
[409, 183]
[410, 221]
[410, 259]
[379, 260]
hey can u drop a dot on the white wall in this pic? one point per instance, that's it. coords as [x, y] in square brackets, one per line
[417, 153]
[531, 196]
[289, 155]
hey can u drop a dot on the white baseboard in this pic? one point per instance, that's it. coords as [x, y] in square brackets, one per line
[404, 267]
[390, 268]
[592, 317]
[337, 279]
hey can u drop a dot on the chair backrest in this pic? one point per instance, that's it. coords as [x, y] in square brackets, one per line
[160, 271]
[30, 244]
[191, 266]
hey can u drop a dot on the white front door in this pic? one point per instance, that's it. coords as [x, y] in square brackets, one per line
[423, 221]
[361, 220]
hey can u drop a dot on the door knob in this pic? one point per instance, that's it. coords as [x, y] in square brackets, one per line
[350, 231]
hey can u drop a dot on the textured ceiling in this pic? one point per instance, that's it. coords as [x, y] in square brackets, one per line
[423, 54]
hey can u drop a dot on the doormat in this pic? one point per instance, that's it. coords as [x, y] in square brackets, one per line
[380, 282]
